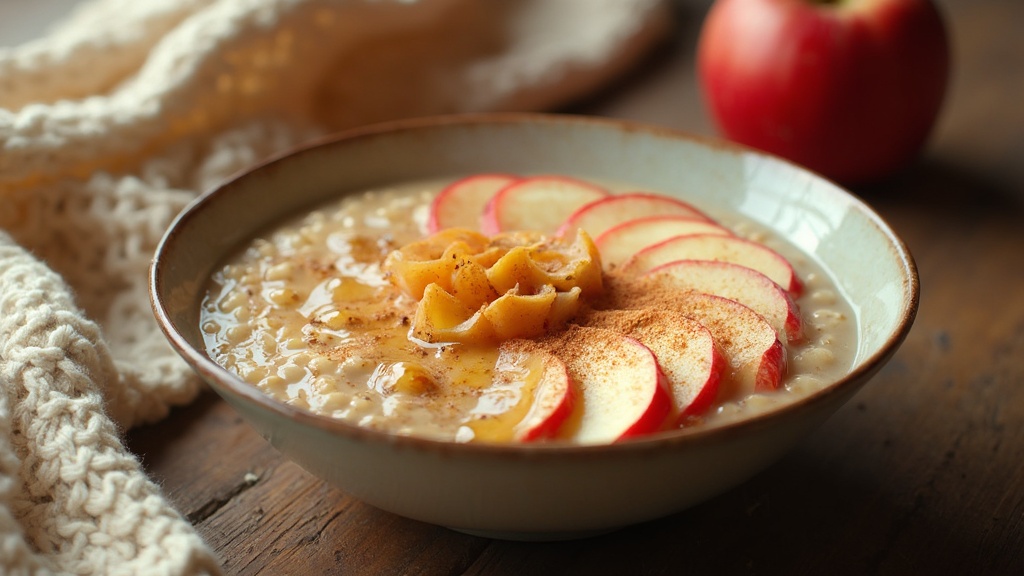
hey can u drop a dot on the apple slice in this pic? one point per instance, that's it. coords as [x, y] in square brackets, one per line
[530, 397]
[720, 248]
[554, 397]
[624, 392]
[537, 203]
[685, 350]
[751, 346]
[603, 214]
[619, 243]
[744, 285]
[460, 204]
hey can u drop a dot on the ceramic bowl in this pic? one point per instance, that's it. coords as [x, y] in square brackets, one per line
[545, 491]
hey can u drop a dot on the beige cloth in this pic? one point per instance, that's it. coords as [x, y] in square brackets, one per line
[111, 123]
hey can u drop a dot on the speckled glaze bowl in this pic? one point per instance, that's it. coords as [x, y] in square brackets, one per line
[546, 491]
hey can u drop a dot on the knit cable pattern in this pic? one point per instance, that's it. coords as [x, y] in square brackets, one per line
[114, 121]
[108, 517]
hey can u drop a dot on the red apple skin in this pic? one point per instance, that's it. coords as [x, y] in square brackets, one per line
[716, 247]
[657, 412]
[603, 214]
[461, 203]
[744, 285]
[623, 392]
[620, 242]
[850, 88]
[747, 340]
[686, 351]
[553, 405]
[548, 201]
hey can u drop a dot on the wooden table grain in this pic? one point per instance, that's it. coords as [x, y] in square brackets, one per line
[922, 473]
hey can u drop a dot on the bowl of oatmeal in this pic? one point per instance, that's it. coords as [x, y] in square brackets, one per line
[532, 326]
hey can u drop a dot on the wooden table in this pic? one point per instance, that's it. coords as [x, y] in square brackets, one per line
[922, 473]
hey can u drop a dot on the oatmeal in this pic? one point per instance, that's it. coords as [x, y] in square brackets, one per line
[344, 312]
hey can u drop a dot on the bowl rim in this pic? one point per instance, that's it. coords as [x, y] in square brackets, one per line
[224, 382]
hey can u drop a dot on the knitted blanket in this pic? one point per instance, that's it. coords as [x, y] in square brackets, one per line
[127, 110]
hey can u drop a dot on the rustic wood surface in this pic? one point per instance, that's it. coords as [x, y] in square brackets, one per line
[922, 473]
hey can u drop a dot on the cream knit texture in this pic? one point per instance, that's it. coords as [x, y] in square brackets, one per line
[113, 121]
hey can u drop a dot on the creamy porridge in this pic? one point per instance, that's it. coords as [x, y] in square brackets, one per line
[310, 313]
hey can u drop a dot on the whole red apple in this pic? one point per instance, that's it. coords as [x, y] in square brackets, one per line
[848, 88]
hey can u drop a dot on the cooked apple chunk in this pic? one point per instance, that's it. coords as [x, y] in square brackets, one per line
[485, 290]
